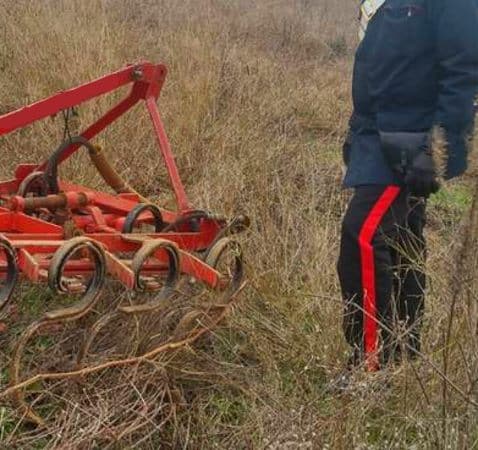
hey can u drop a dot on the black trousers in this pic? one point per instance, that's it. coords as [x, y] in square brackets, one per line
[381, 274]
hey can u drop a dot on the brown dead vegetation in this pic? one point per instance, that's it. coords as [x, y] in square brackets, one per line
[256, 104]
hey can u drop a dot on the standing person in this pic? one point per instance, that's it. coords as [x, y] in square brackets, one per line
[416, 70]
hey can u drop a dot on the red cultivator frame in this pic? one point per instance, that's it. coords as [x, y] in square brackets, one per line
[73, 237]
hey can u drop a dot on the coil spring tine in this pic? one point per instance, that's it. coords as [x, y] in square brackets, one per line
[26, 185]
[76, 311]
[92, 333]
[94, 287]
[147, 250]
[18, 396]
[12, 272]
[214, 255]
[194, 319]
[137, 211]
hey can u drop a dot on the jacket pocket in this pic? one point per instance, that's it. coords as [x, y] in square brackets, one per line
[404, 11]
[404, 29]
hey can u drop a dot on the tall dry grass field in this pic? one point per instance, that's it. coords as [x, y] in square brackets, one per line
[256, 104]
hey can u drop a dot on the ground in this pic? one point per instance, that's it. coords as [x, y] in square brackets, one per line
[256, 105]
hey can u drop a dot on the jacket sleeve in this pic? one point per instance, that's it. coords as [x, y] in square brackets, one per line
[347, 144]
[456, 24]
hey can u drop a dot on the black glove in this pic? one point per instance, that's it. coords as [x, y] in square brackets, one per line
[421, 176]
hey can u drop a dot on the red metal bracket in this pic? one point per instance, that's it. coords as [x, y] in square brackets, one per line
[147, 81]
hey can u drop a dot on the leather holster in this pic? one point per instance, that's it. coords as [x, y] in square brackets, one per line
[401, 148]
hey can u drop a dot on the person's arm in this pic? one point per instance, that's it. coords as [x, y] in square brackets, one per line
[456, 23]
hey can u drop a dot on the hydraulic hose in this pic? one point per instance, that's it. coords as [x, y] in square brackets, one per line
[110, 175]
[51, 170]
[98, 158]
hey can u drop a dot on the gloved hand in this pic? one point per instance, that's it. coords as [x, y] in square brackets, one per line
[421, 176]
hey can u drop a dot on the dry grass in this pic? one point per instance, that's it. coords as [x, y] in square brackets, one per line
[256, 105]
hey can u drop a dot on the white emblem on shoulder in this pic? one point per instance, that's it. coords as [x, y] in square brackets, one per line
[368, 9]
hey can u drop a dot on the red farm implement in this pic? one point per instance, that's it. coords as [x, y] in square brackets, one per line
[74, 238]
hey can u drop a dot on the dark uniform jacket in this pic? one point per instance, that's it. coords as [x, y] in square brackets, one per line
[416, 67]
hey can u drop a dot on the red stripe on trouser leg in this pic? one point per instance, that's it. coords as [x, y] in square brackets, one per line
[367, 232]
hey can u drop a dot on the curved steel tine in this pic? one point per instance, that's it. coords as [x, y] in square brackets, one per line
[12, 272]
[147, 250]
[59, 316]
[92, 333]
[18, 396]
[214, 255]
[140, 208]
[94, 287]
[195, 318]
